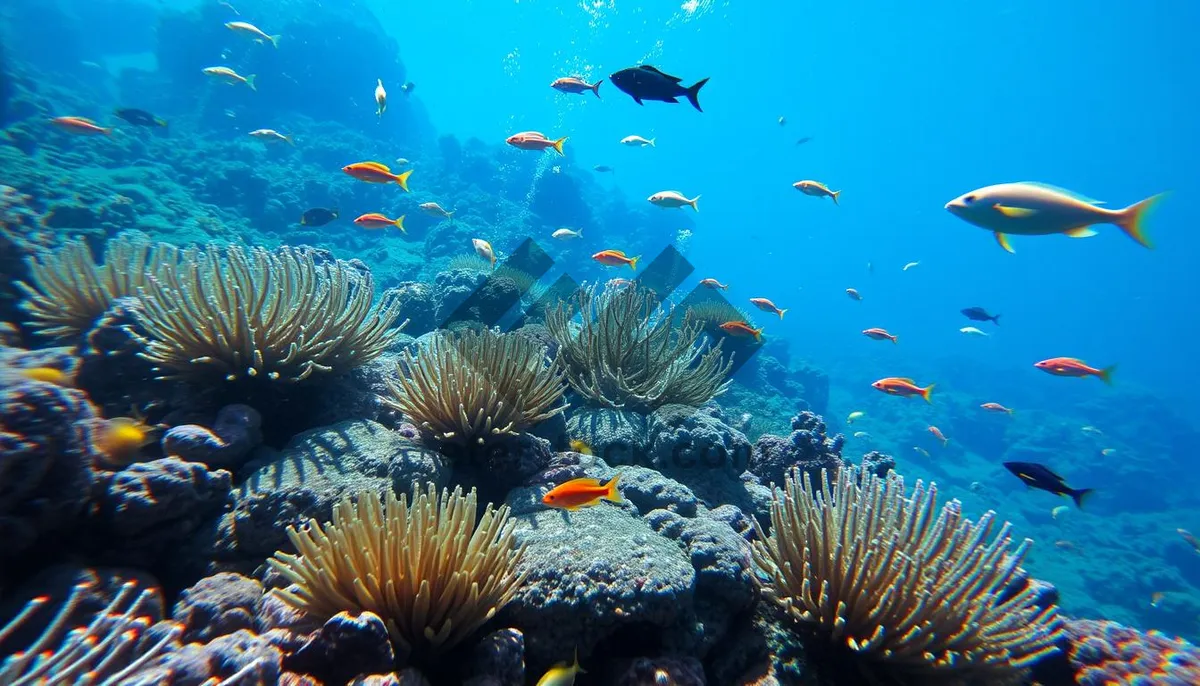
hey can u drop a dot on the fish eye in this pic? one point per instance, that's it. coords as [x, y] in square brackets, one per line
[969, 199]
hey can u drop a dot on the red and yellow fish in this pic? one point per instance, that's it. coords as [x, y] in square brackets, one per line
[1070, 366]
[739, 328]
[879, 334]
[937, 433]
[896, 385]
[375, 220]
[81, 125]
[996, 407]
[583, 492]
[377, 172]
[767, 306]
[534, 140]
[616, 258]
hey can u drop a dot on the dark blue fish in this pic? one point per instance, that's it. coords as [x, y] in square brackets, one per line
[318, 216]
[140, 117]
[644, 82]
[1040, 477]
[980, 315]
[804, 140]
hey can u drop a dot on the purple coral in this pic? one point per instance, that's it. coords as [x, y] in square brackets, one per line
[808, 448]
[1104, 653]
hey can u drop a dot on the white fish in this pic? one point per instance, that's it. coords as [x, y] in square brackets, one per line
[230, 76]
[484, 250]
[380, 98]
[271, 136]
[673, 199]
[972, 331]
[435, 210]
[782, 121]
[1058, 510]
[567, 234]
[910, 265]
[247, 29]
[637, 142]
[400, 161]
[861, 434]
[857, 414]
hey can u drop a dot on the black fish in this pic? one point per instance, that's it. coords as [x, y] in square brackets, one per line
[804, 140]
[318, 216]
[644, 82]
[407, 88]
[980, 315]
[1039, 476]
[140, 117]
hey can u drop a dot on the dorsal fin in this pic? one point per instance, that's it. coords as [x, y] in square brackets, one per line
[661, 73]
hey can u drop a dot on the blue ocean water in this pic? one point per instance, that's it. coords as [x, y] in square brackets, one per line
[899, 107]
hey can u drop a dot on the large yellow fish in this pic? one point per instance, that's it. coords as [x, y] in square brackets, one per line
[1029, 208]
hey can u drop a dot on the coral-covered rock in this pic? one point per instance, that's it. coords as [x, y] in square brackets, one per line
[644, 671]
[417, 305]
[808, 448]
[112, 371]
[347, 646]
[649, 490]
[616, 436]
[217, 606]
[1103, 653]
[498, 660]
[878, 463]
[195, 663]
[235, 432]
[687, 438]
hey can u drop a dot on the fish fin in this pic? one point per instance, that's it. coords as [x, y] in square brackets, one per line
[558, 146]
[1080, 232]
[895, 340]
[161, 123]
[1002, 239]
[693, 93]
[596, 88]
[907, 380]
[693, 202]
[781, 312]
[757, 334]
[1106, 374]
[996, 320]
[400, 224]
[652, 142]
[611, 493]
[402, 179]
[250, 81]
[633, 263]
[290, 141]
[1130, 219]
[927, 392]
[834, 195]
[1013, 212]
[1081, 495]
[638, 100]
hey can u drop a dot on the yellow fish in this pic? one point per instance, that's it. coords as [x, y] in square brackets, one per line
[562, 674]
[580, 447]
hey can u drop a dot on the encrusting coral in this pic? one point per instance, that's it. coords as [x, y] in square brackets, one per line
[425, 567]
[244, 313]
[473, 386]
[627, 354]
[914, 593]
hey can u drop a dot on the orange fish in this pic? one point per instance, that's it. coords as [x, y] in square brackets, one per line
[616, 258]
[533, 140]
[583, 492]
[879, 334]
[714, 284]
[375, 220]
[119, 441]
[80, 125]
[767, 306]
[376, 172]
[996, 407]
[939, 435]
[49, 375]
[895, 385]
[1070, 366]
[741, 329]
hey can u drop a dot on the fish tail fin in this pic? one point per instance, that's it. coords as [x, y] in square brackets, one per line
[652, 142]
[290, 141]
[633, 263]
[996, 320]
[450, 215]
[275, 40]
[834, 195]
[106, 131]
[895, 340]
[250, 81]
[693, 93]
[558, 146]
[1081, 495]
[580, 232]
[1130, 219]
[402, 179]
[1106, 374]
[781, 312]
[693, 202]
[400, 224]
[611, 493]
[163, 123]
[927, 393]
[757, 334]
[596, 88]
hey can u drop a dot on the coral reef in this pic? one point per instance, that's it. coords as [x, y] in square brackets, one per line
[1105, 653]
[235, 432]
[808, 448]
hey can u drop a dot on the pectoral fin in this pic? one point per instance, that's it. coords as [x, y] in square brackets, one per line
[1080, 232]
[1002, 239]
[1014, 212]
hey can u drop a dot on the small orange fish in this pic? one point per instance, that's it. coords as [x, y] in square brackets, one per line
[533, 140]
[879, 334]
[741, 329]
[767, 306]
[996, 407]
[47, 375]
[616, 258]
[1070, 366]
[583, 492]
[119, 440]
[896, 385]
[937, 433]
[376, 172]
[80, 125]
[375, 220]
[854, 294]
[714, 284]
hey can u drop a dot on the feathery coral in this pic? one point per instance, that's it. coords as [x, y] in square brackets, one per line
[916, 594]
[241, 313]
[425, 568]
[473, 386]
[70, 290]
[626, 353]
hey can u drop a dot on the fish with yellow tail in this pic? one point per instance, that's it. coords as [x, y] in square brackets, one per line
[1041, 477]
[484, 250]
[380, 98]
[1029, 208]
[535, 140]
[903, 387]
[583, 492]
[879, 334]
[576, 85]
[741, 329]
[230, 76]
[1070, 366]
[997, 407]
[375, 220]
[251, 31]
[562, 674]
[672, 200]
[817, 190]
[616, 258]
[767, 306]
[377, 172]
[435, 210]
